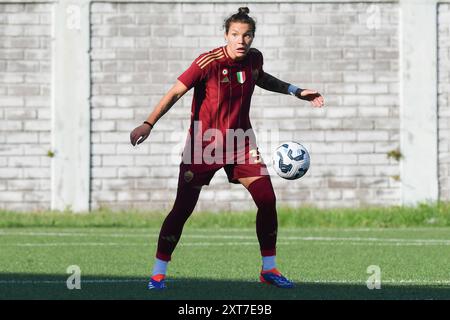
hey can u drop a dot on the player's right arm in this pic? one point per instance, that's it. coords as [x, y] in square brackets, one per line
[139, 134]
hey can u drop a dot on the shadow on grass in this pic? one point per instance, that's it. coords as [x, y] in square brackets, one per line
[39, 286]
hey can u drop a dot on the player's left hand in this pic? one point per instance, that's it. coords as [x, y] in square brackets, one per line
[314, 97]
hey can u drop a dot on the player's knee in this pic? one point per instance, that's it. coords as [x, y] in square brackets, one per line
[266, 199]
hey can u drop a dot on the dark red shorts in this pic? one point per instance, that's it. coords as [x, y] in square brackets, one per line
[242, 165]
[201, 174]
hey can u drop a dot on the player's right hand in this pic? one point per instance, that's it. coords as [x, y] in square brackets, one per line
[139, 134]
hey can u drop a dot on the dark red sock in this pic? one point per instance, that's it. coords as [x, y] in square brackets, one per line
[266, 217]
[172, 227]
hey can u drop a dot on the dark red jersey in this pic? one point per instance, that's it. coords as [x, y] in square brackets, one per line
[223, 90]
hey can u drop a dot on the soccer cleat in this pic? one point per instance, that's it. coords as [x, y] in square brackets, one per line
[274, 277]
[157, 282]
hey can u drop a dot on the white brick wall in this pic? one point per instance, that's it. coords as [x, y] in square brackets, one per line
[137, 55]
[444, 100]
[24, 106]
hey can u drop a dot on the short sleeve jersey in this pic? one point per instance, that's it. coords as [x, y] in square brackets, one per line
[223, 89]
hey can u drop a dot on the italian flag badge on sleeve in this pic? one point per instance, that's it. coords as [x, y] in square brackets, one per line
[241, 77]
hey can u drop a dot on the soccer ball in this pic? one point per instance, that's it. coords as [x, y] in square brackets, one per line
[291, 160]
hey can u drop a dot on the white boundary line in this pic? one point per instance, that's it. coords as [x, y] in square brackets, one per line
[396, 241]
[200, 236]
[213, 244]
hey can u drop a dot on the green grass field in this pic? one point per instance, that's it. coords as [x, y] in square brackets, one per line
[214, 262]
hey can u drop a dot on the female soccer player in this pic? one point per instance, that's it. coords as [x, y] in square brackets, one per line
[223, 80]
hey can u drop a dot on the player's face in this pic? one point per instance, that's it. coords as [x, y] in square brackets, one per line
[239, 40]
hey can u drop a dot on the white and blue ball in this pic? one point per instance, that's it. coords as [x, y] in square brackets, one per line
[291, 160]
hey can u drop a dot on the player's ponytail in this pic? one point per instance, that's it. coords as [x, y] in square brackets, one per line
[242, 17]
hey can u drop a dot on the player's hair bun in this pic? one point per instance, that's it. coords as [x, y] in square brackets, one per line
[243, 10]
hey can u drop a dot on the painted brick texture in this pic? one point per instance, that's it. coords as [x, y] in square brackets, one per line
[25, 106]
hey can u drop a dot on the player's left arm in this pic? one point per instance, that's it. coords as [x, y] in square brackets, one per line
[269, 82]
